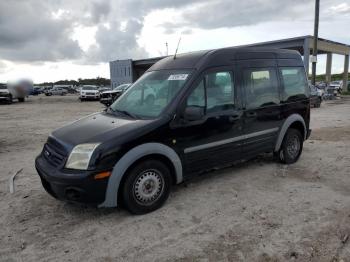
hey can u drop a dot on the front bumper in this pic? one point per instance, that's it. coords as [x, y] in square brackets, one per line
[75, 186]
[90, 97]
[6, 98]
[106, 101]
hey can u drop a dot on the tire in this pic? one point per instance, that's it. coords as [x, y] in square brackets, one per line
[21, 99]
[149, 173]
[10, 101]
[291, 147]
[319, 101]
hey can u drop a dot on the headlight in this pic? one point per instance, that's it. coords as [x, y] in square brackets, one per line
[80, 156]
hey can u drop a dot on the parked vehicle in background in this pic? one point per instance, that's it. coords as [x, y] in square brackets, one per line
[315, 96]
[321, 85]
[104, 88]
[108, 97]
[37, 90]
[20, 89]
[5, 95]
[58, 91]
[89, 92]
[336, 85]
[69, 88]
[186, 115]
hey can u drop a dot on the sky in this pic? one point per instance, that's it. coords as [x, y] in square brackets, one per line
[50, 40]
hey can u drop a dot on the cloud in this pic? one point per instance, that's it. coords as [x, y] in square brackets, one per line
[229, 14]
[115, 43]
[42, 31]
[29, 32]
[3, 67]
[343, 8]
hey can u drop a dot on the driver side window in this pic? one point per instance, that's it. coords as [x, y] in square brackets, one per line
[215, 92]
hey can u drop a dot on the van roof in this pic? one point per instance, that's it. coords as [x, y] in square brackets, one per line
[222, 57]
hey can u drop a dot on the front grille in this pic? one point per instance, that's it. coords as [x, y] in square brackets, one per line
[54, 152]
[90, 94]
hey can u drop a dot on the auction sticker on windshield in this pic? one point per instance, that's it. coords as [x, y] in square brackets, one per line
[178, 77]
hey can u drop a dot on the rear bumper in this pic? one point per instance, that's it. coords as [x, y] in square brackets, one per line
[78, 187]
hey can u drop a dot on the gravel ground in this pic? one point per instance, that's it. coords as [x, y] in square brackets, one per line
[255, 211]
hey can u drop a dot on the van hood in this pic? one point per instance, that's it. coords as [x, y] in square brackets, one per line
[97, 128]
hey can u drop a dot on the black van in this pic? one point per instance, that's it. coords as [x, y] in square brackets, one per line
[187, 114]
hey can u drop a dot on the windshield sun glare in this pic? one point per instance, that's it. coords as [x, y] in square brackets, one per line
[148, 96]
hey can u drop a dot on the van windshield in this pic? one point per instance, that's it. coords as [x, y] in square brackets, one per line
[149, 95]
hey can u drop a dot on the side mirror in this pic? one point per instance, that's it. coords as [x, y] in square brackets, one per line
[193, 113]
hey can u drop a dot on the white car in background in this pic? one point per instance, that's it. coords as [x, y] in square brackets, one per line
[336, 85]
[89, 93]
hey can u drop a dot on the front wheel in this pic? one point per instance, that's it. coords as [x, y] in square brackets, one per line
[291, 147]
[146, 187]
[319, 101]
[10, 101]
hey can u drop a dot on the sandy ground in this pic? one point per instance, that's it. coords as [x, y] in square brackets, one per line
[256, 211]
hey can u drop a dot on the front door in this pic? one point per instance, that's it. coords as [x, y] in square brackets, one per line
[213, 140]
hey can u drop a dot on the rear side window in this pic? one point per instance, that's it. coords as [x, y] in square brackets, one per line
[261, 87]
[294, 82]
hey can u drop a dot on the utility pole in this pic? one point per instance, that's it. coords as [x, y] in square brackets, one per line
[314, 49]
[166, 46]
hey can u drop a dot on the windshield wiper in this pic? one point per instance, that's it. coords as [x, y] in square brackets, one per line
[124, 112]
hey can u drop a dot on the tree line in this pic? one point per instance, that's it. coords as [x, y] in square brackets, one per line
[98, 81]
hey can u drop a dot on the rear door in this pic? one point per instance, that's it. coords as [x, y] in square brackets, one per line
[215, 139]
[262, 110]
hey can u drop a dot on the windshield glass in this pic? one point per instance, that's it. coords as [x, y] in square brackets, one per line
[89, 88]
[149, 95]
[3, 86]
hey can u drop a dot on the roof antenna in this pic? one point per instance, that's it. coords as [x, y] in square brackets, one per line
[177, 47]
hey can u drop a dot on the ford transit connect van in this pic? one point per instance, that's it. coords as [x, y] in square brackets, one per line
[210, 109]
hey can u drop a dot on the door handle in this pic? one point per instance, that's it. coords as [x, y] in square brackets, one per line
[251, 114]
[233, 118]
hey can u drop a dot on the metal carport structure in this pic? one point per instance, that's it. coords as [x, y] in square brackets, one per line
[125, 71]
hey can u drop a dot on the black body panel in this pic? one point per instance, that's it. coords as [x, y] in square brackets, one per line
[216, 140]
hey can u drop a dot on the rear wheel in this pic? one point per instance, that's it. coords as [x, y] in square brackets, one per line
[291, 147]
[21, 99]
[146, 187]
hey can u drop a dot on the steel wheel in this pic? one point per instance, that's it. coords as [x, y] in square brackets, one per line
[293, 146]
[148, 187]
